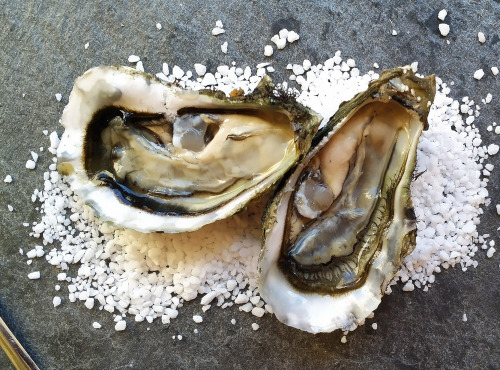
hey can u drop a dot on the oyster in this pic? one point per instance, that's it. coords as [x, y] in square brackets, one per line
[154, 157]
[338, 229]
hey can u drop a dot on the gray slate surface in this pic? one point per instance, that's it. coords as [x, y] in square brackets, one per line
[43, 52]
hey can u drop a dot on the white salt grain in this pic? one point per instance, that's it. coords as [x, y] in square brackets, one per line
[58, 97]
[444, 29]
[268, 50]
[258, 311]
[493, 149]
[8, 179]
[121, 325]
[442, 14]
[481, 37]
[490, 252]
[494, 70]
[96, 325]
[255, 326]
[374, 326]
[56, 301]
[217, 31]
[30, 164]
[177, 72]
[292, 36]
[179, 337]
[394, 33]
[86, 46]
[478, 74]
[34, 275]
[223, 47]
[233, 321]
[158, 26]
[10, 208]
[464, 317]
[133, 59]
[200, 69]
[197, 319]
[343, 340]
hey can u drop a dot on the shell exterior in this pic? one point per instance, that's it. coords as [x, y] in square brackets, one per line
[154, 157]
[326, 266]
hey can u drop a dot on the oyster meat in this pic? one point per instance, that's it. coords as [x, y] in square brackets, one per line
[339, 227]
[155, 157]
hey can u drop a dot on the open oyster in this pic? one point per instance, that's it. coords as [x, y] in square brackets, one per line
[338, 229]
[154, 157]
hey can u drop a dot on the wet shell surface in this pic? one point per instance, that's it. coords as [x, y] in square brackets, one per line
[154, 157]
[340, 225]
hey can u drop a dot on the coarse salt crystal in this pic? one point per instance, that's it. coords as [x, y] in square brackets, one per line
[10, 208]
[481, 37]
[478, 74]
[233, 321]
[177, 72]
[223, 47]
[58, 97]
[200, 69]
[494, 70]
[8, 179]
[255, 326]
[56, 301]
[86, 46]
[30, 164]
[158, 26]
[374, 326]
[96, 325]
[120, 325]
[197, 319]
[394, 33]
[217, 31]
[442, 14]
[268, 50]
[464, 317]
[490, 252]
[292, 36]
[258, 311]
[493, 149]
[343, 340]
[444, 29]
[218, 23]
[133, 58]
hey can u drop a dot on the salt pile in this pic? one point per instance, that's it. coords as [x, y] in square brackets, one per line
[149, 276]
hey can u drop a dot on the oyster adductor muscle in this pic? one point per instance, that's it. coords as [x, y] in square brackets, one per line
[154, 157]
[338, 229]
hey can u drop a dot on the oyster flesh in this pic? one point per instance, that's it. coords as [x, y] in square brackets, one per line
[155, 157]
[337, 231]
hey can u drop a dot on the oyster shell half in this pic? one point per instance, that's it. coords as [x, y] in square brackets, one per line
[154, 157]
[338, 229]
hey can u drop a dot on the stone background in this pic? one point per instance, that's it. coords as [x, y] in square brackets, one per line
[42, 52]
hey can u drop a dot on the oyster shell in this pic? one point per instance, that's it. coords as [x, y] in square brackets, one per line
[338, 229]
[154, 157]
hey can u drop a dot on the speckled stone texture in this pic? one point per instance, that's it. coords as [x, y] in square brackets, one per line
[43, 52]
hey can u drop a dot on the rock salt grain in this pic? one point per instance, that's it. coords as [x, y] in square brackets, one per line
[255, 326]
[444, 29]
[133, 59]
[478, 74]
[56, 301]
[442, 14]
